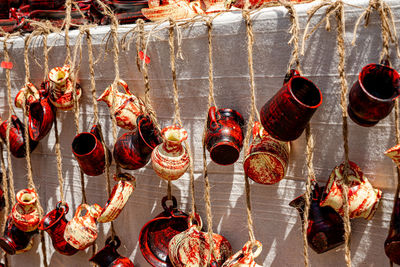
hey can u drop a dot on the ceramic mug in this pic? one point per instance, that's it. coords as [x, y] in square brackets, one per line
[109, 257]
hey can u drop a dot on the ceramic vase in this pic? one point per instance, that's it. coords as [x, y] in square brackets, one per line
[25, 213]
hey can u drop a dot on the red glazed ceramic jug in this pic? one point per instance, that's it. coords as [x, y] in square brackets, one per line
[54, 224]
[286, 114]
[392, 242]
[25, 213]
[224, 136]
[109, 257]
[245, 257]
[156, 233]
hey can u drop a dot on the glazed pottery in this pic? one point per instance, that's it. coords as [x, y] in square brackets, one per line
[2, 198]
[17, 137]
[15, 241]
[45, 4]
[81, 231]
[394, 154]
[258, 3]
[109, 257]
[267, 159]
[286, 114]
[118, 198]
[4, 9]
[224, 136]
[213, 6]
[192, 248]
[373, 95]
[25, 213]
[26, 95]
[176, 10]
[325, 226]
[133, 150]
[156, 234]
[61, 88]
[245, 257]
[392, 242]
[170, 159]
[127, 106]
[363, 199]
[89, 151]
[54, 224]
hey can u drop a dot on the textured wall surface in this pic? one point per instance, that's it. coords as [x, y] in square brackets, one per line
[277, 225]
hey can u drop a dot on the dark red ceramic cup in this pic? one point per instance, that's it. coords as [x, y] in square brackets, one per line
[224, 136]
[392, 242]
[4, 9]
[45, 4]
[286, 114]
[373, 95]
[41, 118]
[109, 257]
[89, 152]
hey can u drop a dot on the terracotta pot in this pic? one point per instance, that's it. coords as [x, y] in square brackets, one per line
[325, 228]
[286, 114]
[362, 197]
[245, 257]
[81, 231]
[127, 106]
[192, 247]
[392, 242]
[156, 234]
[25, 213]
[267, 158]
[118, 198]
[109, 257]
[54, 224]
[132, 150]
[170, 159]
[224, 136]
[172, 9]
[26, 96]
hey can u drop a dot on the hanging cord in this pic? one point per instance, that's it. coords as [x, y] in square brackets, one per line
[6, 196]
[68, 7]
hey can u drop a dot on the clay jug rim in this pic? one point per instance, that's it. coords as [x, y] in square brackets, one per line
[139, 130]
[42, 222]
[75, 140]
[289, 84]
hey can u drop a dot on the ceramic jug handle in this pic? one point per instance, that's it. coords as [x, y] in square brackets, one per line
[62, 205]
[164, 205]
[290, 75]
[212, 117]
[196, 217]
[259, 248]
[115, 242]
[125, 86]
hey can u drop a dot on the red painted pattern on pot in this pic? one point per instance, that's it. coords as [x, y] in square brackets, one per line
[128, 107]
[81, 231]
[259, 3]
[118, 198]
[363, 199]
[392, 242]
[245, 257]
[61, 89]
[54, 224]
[170, 159]
[178, 9]
[25, 213]
[109, 257]
[224, 135]
[267, 158]
[394, 154]
[286, 114]
[26, 95]
[373, 95]
[192, 248]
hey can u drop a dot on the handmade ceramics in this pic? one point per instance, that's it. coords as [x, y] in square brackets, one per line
[373, 95]
[15, 241]
[394, 154]
[258, 3]
[224, 136]
[54, 224]
[363, 199]
[286, 114]
[17, 137]
[133, 150]
[127, 12]
[61, 89]
[81, 231]
[325, 226]
[89, 151]
[156, 233]
[127, 106]
[118, 198]
[267, 158]
[170, 159]
[192, 248]
[109, 257]
[392, 242]
[26, 95]
[25, 213]
[245, 257]
[176, 10]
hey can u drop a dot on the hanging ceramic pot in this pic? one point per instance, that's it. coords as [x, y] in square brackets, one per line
[245, 257]
[17, 137]
[26, 95]
[325, 226]
[133, 150]
[128, 107]
[54, 224]
[394, 154]
[109, 257]
[60, 87]
[363, 199]
[392, 242]
[267, 158]
[170, 159]
[192, 248]
[81, 231]
[156, 233]
[25, 213]
[118, 198]
[2, 198]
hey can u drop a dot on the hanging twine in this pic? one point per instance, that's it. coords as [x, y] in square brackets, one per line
[4, 187]
[68, 8]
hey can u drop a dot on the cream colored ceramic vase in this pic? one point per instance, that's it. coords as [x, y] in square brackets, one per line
[26, 95]
[363, 199]
[25, 213]
[170, 159]
[245, 257]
